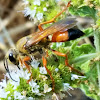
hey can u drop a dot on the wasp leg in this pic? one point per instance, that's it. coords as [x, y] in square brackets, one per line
[21, 62]
[53, 19]
[66, 61]
[44, 64]
[27, 66]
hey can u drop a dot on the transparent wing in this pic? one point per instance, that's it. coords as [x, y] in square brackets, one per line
[63, 24]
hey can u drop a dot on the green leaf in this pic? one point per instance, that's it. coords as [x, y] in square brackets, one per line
[83, 11]
[88, 31]
[82, 53]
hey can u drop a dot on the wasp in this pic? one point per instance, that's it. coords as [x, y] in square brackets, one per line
[39, 42]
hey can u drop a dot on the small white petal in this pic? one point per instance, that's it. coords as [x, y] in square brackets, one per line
[9, 98]
[36, 2]
[35, 90]
[15, 84]
[27, 11]
[31, 98]
[14, 75]
[58, 44]
[25, 2]
[55, 97]
[3, 83]
[24, 74]
[74, 76]
[34, 63]
[35, 8]
[35, 87]
[56, 69]
[32, 14]
[44, 9]
[32, 83]
[47, 88]
[3, 94]
[43, 70]
[17, 95]
[39, 16]
[47, 4]
[67, 86]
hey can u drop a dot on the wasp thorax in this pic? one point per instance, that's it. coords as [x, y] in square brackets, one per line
[12, 56]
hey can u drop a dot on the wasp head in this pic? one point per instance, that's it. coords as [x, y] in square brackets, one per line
[11, 56]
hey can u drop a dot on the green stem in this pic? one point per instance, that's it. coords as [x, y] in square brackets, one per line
[97, 45]
[84, 58]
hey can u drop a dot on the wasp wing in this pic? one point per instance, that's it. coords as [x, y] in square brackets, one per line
[58, 26]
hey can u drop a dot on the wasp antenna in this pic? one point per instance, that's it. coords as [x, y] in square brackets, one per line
[6, 65]
[7, 69]
[18, 67]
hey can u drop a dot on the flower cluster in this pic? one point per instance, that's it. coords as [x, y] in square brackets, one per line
[39, 87]
[37, 9]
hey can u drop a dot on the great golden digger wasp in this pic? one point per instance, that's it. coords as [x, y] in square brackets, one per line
[39, 42]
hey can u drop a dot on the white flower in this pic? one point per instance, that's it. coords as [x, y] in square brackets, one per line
[58, 44]
[15, 84]
[32, 83]
[39, 16]
[44, 9]
[32, 14]
[43, 77]
[43, 70]
[17, 95]
[54, 97]
[36, 2]
[3, 94]
[24, 74]
[34, 63]
[27, 11]
[47, 88]
[23, 93]
[35, 90]
[25, 2]
[67, 87]
[16, 76]
[4, 82]
[9, 98]
[35, 87]
[31, 98]
[74, 76]
[56, 69]
[47, 4]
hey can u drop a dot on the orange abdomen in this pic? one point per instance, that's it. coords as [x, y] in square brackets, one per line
[60, 36]
[67, 35]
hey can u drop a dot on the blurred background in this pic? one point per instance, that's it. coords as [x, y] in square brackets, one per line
[13, 26]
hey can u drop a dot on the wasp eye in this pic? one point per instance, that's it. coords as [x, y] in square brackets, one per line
[11, 57]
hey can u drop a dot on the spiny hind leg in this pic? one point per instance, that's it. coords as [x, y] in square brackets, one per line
[66, 61]
[27, 66]
[44, 64]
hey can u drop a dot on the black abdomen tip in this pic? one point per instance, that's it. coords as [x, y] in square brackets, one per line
[74, 34]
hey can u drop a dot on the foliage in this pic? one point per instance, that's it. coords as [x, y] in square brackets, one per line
[85, 58]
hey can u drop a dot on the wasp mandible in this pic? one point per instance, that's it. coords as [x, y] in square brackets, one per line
[39, 42]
